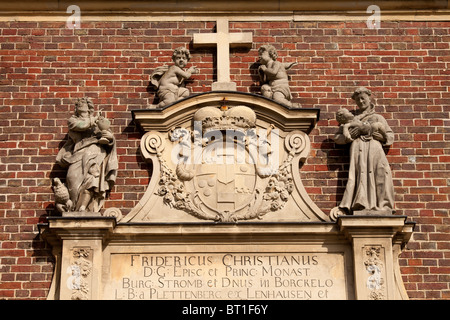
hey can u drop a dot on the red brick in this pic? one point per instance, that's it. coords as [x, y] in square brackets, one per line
[112, 62]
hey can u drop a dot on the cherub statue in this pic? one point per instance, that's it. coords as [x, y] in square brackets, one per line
[169, 80]
[273, 75]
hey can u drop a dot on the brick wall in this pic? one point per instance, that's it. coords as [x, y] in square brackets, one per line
[44, 67]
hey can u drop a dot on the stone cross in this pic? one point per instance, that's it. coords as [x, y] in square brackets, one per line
[223, 39]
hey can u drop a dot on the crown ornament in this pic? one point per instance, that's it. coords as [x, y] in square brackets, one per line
[239, 118]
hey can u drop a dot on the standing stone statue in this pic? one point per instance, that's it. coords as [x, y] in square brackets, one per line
[369, 190]
[273, 76]
[91, 158]
[169, 81]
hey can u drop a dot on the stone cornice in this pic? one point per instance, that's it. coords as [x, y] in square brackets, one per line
[243, 11]
[266, 109]
[219, 5]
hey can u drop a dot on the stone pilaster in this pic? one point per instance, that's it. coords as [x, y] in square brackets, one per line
[375, 261]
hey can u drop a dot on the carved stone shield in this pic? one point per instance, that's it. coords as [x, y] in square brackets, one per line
[225, 180]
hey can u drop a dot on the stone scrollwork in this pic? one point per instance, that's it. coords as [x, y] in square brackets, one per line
[153, 143]
[336, 212]
[296, 142]
[113, 212]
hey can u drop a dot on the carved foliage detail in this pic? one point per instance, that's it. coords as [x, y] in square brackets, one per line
[375, 268]
[81, 270]
[278, 189]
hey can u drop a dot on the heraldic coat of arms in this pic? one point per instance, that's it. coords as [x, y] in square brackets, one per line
[214, 159]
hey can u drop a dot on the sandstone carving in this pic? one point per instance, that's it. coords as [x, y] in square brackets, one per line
[62, 197]
[80, 270]
[219, 181]
[169, 80]
[369, 189]
[225, 157]
[375, 268]
[91, 159]
[273, 75]
[113, 212]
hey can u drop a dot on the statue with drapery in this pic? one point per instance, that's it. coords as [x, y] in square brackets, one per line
[369, 189]
[91, 161]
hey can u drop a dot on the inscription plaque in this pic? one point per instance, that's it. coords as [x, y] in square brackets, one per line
[216, 276]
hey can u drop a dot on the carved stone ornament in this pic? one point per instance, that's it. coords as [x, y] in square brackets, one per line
[80, 271]
[273, 76]
[370, 189]
[169, 80]
[91, 161]
[375, 269]
[225, 157]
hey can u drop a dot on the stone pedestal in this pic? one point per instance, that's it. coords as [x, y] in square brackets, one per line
[376, 244]
[353, 258]
[78, 246]
[223, 86]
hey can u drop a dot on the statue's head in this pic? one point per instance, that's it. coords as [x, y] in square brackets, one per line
[181, 56]
[344, 116]
[270, 50]
[84, 107]
[362, 98]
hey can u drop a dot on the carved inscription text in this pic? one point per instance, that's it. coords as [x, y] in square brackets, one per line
[215, 276]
